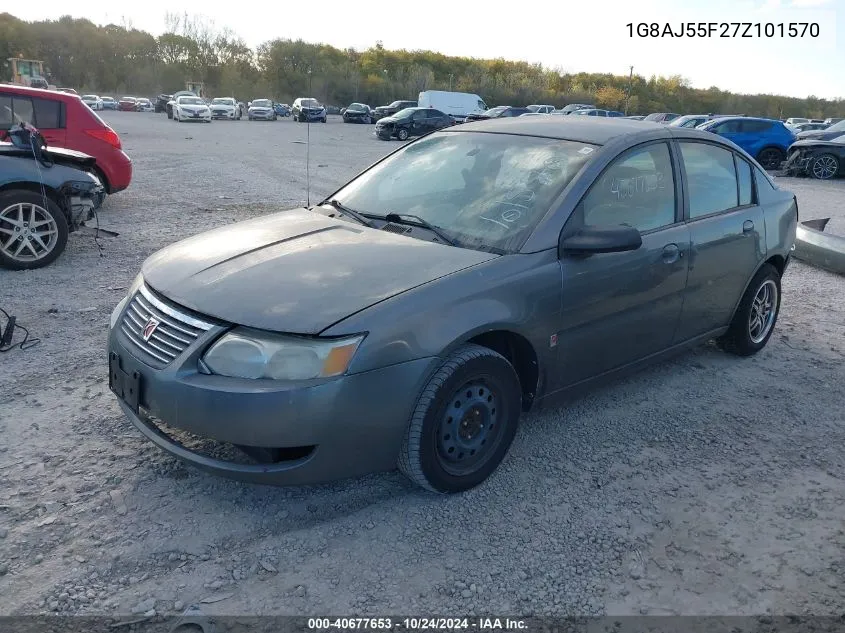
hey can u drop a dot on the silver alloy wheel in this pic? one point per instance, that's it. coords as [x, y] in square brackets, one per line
[27, 232]
[825, 167]
[763, 310]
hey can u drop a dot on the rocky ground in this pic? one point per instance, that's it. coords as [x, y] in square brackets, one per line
[707, 485]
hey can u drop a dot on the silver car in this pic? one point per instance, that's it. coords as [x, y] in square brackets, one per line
[411, 317]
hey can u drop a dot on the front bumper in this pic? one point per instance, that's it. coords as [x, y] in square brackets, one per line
[264, 116]
[223, 114]
[336, 428]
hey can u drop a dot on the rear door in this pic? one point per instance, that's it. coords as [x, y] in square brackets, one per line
[621, 307]
[727, 232]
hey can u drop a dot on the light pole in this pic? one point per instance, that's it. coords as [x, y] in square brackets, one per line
[450, 83]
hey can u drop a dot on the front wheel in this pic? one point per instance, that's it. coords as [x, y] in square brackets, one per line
[770, 158]
[825, 167]
[464, 422]
[402, 135]
[756, 315]
[324, 119]
[33, 230]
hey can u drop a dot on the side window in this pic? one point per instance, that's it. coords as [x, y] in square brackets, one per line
[419, 115]
[711, 178]
[755, 127]
[743, 172]
[638, 189]
[22, 110]
[6, 120]
[48, 113]
[727, 127]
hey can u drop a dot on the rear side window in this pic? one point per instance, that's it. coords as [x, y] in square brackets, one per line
[746, 191]
[711, 178]
[14, 110]
[48, 113]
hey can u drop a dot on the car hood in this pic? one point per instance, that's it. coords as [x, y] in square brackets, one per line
[297, 271]
[260, 109]
[224, 105]
[390, 119]
[814, 142]
[818, 134]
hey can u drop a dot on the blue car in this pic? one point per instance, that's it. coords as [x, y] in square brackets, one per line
[281, 109]
[767, 140]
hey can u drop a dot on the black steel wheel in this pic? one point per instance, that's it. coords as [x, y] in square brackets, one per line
[770, 157]
[464, 422]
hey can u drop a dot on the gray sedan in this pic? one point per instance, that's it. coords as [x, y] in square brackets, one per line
[412, 317]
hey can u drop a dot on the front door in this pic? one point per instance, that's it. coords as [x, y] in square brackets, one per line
[727, 233]
[621, 307]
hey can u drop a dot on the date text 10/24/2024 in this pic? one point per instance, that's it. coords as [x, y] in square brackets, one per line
[724, 29]
[416, 624]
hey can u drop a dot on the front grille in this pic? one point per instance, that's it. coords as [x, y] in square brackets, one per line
[172, 336]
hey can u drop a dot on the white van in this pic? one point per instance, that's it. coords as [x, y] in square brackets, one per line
[456, 104]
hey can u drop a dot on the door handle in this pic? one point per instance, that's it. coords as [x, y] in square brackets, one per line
[747, 227]
[671, 253]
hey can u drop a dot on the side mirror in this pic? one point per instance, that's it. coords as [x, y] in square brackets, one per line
[590, 240]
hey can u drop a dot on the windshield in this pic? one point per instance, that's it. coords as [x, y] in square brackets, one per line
[190, 101]
[836, 127]
[222, 101]
[310, 103]
[496, 110]
[262, 103]
[357, 106]
[107, 99]
[485, 191]
[838, 139]
[404, 114]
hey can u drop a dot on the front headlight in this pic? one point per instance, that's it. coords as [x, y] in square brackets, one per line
[139, 280]
[248, 353]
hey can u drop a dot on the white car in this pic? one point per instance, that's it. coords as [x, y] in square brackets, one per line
[191, 109]
[225, 108]
[93, 101]
[145, 105]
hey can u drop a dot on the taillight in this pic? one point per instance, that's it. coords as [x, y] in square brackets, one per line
[105, 134]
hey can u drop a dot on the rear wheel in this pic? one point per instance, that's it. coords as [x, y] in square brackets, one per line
[825, 167]
[770, 157]
[756, 315]
[464, 422]
[33, 230]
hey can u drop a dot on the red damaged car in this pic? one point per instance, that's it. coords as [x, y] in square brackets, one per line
[65, 121]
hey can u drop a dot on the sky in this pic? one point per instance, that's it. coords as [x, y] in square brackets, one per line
[573, 35]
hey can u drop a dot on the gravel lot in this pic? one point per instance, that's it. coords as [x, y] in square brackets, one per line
[707, 485]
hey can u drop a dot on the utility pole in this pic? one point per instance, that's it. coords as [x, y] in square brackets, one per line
[628, 93]
[450, 83]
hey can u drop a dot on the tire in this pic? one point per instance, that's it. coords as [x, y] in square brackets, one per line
[453, 462]
[324, 119]
[824, 167]
[739, 338]
[771, 157]
[46, 209]
[402, 135]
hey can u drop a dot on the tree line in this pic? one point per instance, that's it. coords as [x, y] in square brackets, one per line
[120, 59]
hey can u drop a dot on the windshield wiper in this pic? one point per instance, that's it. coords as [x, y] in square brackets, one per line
[418, 221]
[346, 210]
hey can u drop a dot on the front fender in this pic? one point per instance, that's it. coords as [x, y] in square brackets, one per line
[519, 293]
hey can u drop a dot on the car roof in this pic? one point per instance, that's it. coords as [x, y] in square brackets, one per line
[39, 92]
[597, 131]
